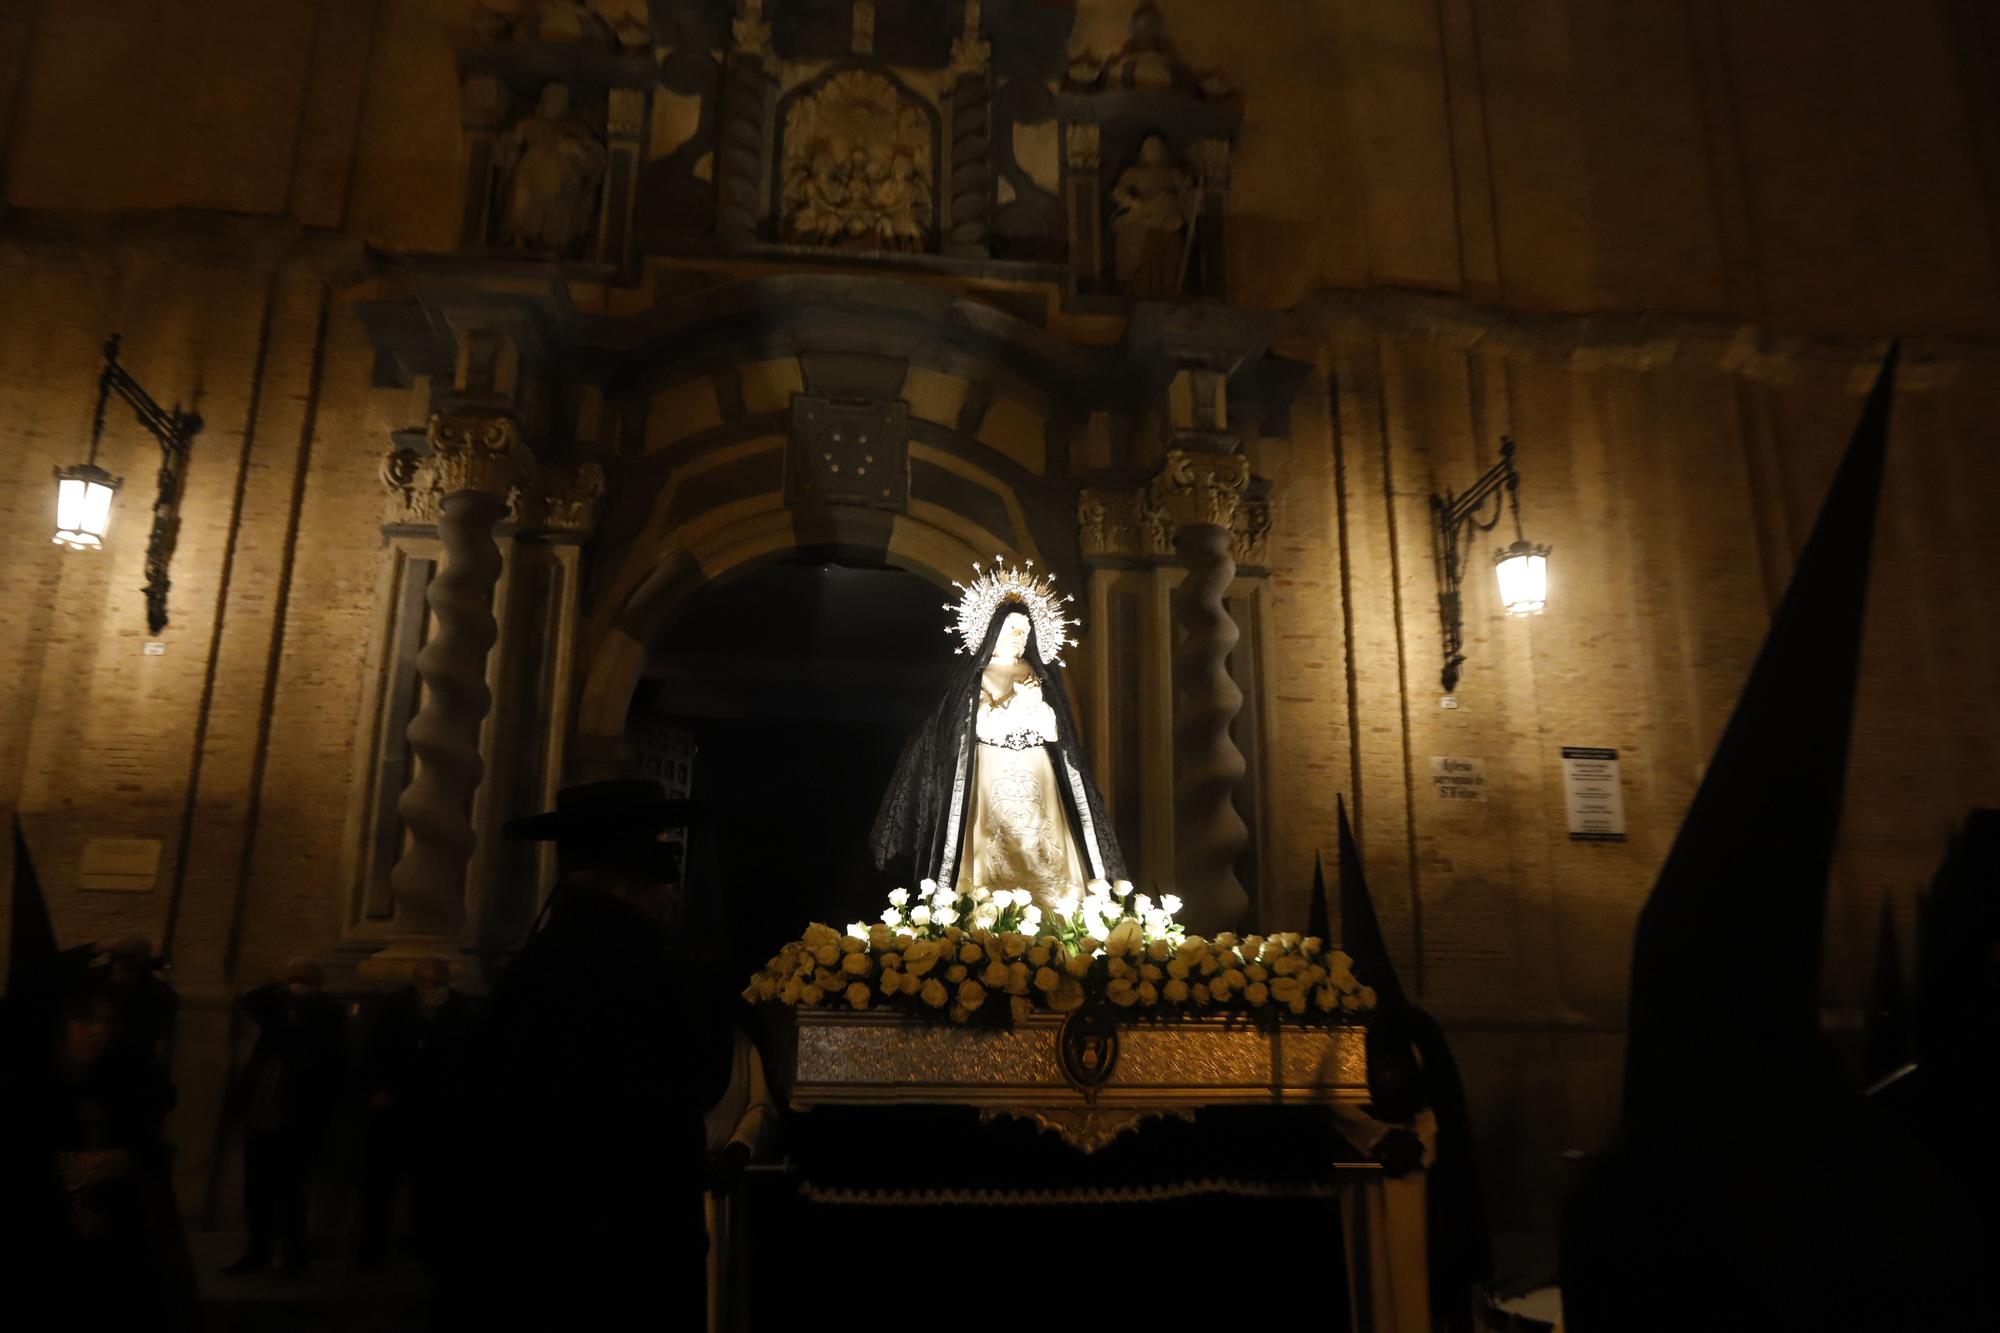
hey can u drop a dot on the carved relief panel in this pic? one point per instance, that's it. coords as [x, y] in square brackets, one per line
[858, 165]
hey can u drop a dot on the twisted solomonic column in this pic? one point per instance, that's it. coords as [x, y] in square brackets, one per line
[971, 179]
[739, 157]
[475, 462]
[1199, 492]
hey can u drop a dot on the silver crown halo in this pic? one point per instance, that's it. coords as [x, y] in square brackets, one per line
[1003, 583]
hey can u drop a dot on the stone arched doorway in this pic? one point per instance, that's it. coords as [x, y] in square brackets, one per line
[623, 463]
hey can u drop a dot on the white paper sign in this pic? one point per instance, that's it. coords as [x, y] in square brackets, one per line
[123, 865]
[1456, 779]
[1591, 790]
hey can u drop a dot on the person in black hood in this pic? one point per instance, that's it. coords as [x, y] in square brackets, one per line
[593, 1075]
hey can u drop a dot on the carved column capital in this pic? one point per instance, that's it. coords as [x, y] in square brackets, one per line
[563, 499]
[1122, 525]
[749, 32]
[1080, 142]
[479, 454]
[970, 56]
[1201, 489]
[1250, 537]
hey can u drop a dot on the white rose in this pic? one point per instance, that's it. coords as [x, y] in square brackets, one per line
[1170, 904]
[927, 888]
[1142, 905]
[891, 917]
[1123, 888]
[857, 930]
[920, 915]
[1125, 937]
[944, 916]
[898, 897]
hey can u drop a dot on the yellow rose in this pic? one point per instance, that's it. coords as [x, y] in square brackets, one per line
[1253, 946]
[852, 944]
[920, 957]
[969, 953]
[1327, 998]
[880, 938]
[1311, 944]
[817, 934]
[994, 975]
[1046, 979]
[1350, 1002]
[1226, 940]
[1022, 1008]
[891, 983]
[1219, 991]
[1148, 993]
[1367, 997]
[1078, 966]
[1256, 992]
[1120, 993]
[1118, 969]
[971, 995]
[1192, 948]
[1200, 992]
[1176, 991]
[959, 1013]
[1017, 979]
[855, 965]
[1339, 958]
[1209, 964]
[857, 995]
[954, 974]
[1288, 965]
[1177, 968]
[811, 996]
[790, 994]
[827, 981]
[827, 954]
[1013, 945]
[1256, 973]
[1038, 956]
[1286, 989]
[891, 961]
[1297, 1004]
[1234, 979]
[1067, 995]
[933, 993]
[1148, 972]
[1159, 951]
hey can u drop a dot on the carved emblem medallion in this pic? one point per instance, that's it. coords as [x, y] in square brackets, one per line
[857, 166]
[1089, 1045]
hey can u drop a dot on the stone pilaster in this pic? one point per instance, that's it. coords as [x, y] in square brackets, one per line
[1199, 492]
[739, 159]
[475, 464]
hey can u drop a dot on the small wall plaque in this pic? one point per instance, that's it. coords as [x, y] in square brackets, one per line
[1455, 778]
[1592, 792]
[120, 865]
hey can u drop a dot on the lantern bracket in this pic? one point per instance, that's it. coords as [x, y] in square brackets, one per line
[1454, 520]
[175, 430]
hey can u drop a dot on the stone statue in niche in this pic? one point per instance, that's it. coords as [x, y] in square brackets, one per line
[857, 167]
[551, 165]
[1155, 205]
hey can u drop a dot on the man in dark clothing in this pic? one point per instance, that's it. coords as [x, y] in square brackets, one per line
[416, 1057]
[285, 1097]
[596, 1163]
[143, 1012]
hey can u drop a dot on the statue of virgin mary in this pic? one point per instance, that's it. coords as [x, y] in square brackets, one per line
[994, 790]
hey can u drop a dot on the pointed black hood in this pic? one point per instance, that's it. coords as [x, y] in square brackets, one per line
[1360, 932]
[1726, 958]
[1318, 922]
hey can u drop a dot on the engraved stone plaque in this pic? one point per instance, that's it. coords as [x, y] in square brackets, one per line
[849, 451]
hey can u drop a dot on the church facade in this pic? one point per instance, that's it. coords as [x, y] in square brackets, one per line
[516, 331]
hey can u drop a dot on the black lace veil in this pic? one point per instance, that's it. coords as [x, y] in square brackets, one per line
[916, 810]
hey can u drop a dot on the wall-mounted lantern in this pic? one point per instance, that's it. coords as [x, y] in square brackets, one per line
[1521, 566]
[84, 491]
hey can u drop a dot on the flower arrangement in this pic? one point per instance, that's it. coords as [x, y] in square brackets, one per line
[988, 956]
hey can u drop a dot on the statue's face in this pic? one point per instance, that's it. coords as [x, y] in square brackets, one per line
[1153, 151]
[1013, 640]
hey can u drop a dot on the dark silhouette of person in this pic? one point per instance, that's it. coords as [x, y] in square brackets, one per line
[413, 1072]
[144, 1010]
[285, 1097]
[591, 1073]
[122, 1255]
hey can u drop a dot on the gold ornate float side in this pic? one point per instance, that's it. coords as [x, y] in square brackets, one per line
[1088, 1084]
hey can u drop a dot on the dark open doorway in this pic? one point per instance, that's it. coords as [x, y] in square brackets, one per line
[799, 684]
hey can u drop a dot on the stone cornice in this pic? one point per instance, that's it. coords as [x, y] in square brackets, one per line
[1624, 341]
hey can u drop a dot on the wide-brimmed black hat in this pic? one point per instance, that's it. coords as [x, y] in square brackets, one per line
[595, 812]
